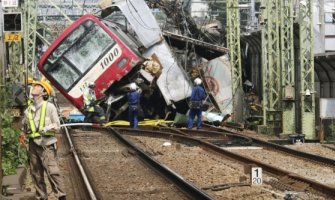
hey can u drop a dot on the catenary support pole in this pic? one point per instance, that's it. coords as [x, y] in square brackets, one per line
[307, 91]
[287, 67]
[233, 43]
[271, 68]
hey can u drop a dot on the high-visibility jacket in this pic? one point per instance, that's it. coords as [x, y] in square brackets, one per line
[37, 132]
[89, 99]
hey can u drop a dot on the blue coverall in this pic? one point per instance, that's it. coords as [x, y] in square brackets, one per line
[133, 102]
[198, 95]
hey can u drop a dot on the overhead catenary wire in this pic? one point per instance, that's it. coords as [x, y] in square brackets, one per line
[185, 27]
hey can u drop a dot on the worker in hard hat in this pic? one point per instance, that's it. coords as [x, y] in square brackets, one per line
[197, 97]
[94, 113]
[133, 105]
[52, 96]
[42, 122]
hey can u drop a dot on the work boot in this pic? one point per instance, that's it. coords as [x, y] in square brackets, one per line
[62, 198]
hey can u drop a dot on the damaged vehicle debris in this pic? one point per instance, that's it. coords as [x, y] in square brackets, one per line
[127, 45]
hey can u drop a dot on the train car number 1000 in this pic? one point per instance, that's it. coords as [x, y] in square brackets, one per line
[109, 58]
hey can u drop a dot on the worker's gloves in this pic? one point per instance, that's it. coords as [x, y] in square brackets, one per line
[22, 140]
[49, 127]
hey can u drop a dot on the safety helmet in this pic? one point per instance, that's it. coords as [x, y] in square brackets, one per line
[91, 84]
[197, 81]
[30, 80]
[133, 86]
[45, 84]
[248, 83]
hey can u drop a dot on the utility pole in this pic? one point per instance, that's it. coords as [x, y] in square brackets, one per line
[307, 91]
[2, 84]
[2, 49]
[10, 7]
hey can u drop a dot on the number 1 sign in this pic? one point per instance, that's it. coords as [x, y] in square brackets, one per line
[256, 176]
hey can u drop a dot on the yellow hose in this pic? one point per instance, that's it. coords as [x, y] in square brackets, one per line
[145, 122]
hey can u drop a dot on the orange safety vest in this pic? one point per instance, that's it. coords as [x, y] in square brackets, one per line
[35, 133]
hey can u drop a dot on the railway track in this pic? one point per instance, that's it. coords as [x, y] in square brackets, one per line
[214, 162]
[226, 138]
[286, 179]
[322, 160]
[218, 175]
[117, 169]
[74, 175]
[329, 146]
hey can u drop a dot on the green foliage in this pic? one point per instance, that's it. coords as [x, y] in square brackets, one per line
[330, 135]
[332, 127]
[5, 94]
[12, 153]
[6, 119]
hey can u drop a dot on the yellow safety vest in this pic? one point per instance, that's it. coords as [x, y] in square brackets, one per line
[35, 133]
[89, 98]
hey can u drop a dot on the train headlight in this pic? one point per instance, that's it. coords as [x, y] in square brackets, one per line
[122, 62]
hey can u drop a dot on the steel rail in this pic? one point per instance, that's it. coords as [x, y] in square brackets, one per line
[188, 188]
[213, 134]
[275, 171]
[201, 133]
[80, 166]
[313, 157]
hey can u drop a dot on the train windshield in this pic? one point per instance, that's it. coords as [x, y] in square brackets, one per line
[73, 57]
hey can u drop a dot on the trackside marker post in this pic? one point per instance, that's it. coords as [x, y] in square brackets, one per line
[256, 176]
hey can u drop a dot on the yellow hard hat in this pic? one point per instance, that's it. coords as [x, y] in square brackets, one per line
[44, 79]
[30, 80]
[46, 85]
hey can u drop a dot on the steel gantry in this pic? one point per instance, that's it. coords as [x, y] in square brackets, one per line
[278, 68]
[271, 69]
[233, 43]
[287, 66]
[30, 20]
[30, 26]
[307, 100]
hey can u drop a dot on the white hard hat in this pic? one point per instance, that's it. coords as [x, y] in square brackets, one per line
[133, 86]
[197, 81]
[91, 84]
[248, 83]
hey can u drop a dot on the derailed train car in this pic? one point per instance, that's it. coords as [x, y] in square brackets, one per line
[113, 54]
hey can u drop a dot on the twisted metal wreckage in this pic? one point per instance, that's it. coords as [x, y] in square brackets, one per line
[179, 54]
[172, 62]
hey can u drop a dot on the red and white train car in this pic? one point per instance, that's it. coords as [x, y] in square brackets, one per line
[88, 51]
